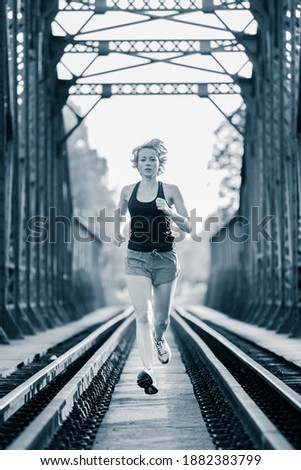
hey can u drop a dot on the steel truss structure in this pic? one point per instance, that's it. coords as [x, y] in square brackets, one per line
[256, 281]
[152, 51]
[42, 284]
[259, 281]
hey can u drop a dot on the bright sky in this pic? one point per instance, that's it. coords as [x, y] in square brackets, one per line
[186, 124]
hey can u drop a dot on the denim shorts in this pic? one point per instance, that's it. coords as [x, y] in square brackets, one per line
[160, 267]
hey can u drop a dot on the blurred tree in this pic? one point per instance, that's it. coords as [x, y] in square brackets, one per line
[88, 173]
[91, 195]
[227, 158]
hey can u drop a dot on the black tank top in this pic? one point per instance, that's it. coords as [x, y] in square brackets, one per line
[150, 228]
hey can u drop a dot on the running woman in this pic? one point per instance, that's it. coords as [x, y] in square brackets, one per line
[152, 265]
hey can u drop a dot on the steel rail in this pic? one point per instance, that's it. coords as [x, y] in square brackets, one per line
[13, 401]
[263, 431]
[292, 397]
[41, 430]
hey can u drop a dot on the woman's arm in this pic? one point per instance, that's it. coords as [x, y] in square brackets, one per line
[180, 216]
[120, 219]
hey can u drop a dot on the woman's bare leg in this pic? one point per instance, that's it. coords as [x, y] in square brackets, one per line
[140, 289]
[163, 299]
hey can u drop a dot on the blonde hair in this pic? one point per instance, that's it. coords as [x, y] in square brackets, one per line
[154, 144]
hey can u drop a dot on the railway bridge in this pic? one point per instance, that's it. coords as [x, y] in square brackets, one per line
[55, 320]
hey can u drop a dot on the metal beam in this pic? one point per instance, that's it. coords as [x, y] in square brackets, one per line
[139, 89]
[144, 46]
[136, 6]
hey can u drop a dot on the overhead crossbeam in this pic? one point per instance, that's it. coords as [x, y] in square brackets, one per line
[203, 90]
[138, 6]
[200, 89]
[145, 49]
[143, 46]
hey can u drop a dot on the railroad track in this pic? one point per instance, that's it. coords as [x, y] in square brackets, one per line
[61, 406]
[32, 412]
[269, 409]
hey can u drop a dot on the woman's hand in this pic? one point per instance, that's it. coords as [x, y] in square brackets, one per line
[119, 239]
[163, 206]
[180, 215]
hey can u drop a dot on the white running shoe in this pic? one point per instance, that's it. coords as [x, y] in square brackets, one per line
[163, 350]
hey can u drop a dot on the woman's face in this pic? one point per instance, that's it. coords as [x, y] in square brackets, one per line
[148, 162]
